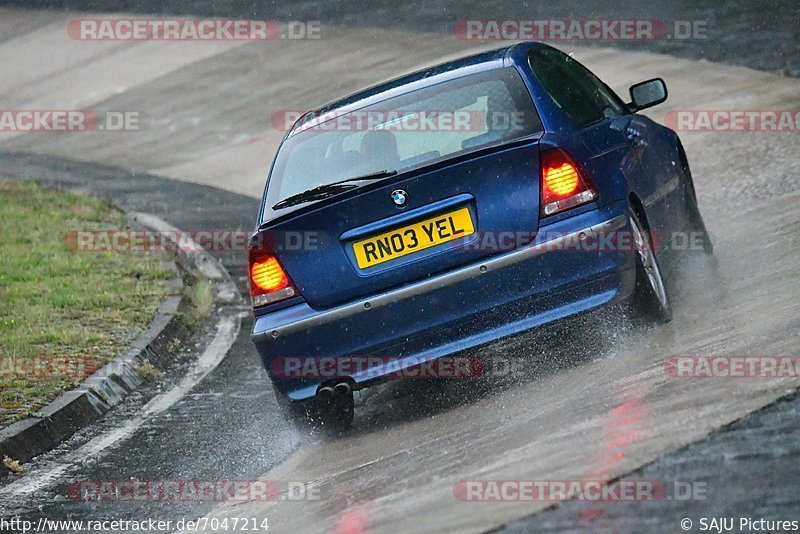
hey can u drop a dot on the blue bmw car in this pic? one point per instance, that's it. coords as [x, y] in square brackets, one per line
[439, 212]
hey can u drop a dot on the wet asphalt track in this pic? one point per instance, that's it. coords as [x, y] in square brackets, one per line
[750, 470]
[559, 418]
[192, 440]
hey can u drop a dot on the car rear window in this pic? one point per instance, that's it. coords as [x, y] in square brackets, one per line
[407, 131]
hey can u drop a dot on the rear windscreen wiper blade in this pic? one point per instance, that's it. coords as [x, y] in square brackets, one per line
[327, 190]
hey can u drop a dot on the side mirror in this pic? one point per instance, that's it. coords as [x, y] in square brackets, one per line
[648, 94]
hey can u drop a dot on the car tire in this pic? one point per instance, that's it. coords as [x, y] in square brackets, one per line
[699, 225]
[695, 217]
[650, 296]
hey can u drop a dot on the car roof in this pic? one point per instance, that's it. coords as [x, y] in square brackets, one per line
[427, 77]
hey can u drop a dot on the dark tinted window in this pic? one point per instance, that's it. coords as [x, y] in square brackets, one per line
[582, 96]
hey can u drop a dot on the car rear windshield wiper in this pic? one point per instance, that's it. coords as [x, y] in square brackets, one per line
[326, 190]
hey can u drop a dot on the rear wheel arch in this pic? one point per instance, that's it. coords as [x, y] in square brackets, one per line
[638, 208]
[682, 153]
[684, 162]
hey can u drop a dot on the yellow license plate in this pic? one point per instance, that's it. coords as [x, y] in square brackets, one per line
[413, 238]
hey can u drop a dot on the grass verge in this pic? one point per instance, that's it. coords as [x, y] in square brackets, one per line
[64, 313]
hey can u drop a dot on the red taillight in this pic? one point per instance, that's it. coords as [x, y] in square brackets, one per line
[563, 186]
[268, 281]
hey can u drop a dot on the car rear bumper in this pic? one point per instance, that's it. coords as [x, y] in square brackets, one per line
[459, 310]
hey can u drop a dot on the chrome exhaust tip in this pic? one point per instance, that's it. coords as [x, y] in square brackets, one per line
[325, 392]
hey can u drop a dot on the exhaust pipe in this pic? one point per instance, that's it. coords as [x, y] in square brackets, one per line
[325, 392]
[342, 389]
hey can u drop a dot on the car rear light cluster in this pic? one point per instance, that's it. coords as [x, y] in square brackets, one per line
[563, 186]
[268, 281]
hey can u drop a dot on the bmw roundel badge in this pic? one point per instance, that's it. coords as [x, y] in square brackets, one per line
[399, 197]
